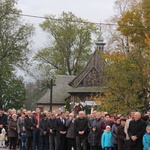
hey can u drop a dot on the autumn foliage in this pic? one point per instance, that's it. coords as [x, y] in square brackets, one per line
[127, 73]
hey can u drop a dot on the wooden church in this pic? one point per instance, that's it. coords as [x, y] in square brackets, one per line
[81, 88]
[89, 83]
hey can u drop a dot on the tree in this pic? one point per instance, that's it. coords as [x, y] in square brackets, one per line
[70, 45]
[68, 107]
[14, 47]
[34, 92]
[13, 93]
[14, 35]
[116, 40]
[135, 23]
[127, 78]
[127, 68]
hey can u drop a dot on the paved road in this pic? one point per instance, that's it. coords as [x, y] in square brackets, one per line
[5, 149]
[17, 149]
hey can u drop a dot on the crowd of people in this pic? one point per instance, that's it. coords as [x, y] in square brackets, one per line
[31, 130]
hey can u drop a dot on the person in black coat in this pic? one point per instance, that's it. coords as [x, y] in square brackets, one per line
[44, 132]
[29, 127]
[52, 132]
[36, 133]
[136, 130]
[60, 132]
[3, 120]
[81, 131]
[121, 136]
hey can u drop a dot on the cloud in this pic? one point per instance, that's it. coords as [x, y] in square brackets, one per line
[91, 10]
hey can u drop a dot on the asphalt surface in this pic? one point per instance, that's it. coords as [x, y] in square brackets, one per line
[5, 149]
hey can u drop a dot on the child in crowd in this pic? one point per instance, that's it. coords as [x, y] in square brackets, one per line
[3, 138]
[106, 139]
[93, 138]
[146, 139]
[23, 139]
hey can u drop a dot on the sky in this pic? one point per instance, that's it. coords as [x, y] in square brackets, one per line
[92, 10]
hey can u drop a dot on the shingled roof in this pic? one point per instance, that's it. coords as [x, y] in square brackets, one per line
[92, 74]
[87, 89]
[60, 91]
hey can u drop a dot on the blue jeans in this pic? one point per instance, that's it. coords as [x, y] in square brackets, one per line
[108, 148]
[23, 145]
[36, 140]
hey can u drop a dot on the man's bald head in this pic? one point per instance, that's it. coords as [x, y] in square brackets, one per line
[137, 115]
[81, 114]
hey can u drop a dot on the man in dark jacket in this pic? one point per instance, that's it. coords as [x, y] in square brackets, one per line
[60, 132]
[121, 134]
[36, 133]
[52, 132]
[44, 132]
[81, 130]
[29, 127]
[136, 131]
[3, 120]
[92, 120]
[71, 142]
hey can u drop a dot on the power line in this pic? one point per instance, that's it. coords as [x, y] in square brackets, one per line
[107, 24]
[33, 16]
[57, 19]
[41, 17]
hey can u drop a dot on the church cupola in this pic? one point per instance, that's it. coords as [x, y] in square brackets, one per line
[100, 42]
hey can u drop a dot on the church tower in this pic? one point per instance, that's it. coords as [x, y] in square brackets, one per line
[100, 42]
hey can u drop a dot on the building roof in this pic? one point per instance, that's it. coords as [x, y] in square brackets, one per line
[92, 74]
[86, 90]
[60, 91]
